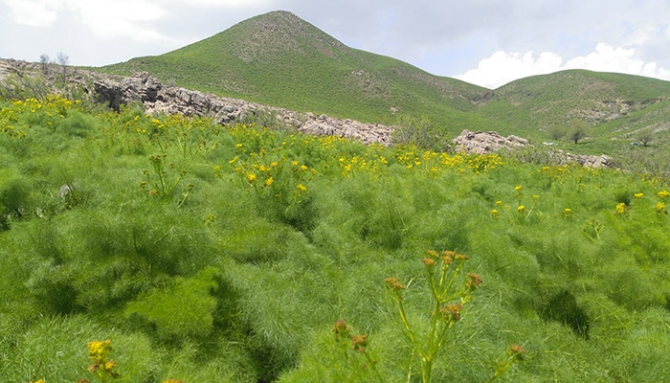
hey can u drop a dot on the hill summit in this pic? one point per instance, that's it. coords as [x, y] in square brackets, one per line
[279, 59]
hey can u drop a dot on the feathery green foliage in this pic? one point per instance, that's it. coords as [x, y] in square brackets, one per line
[233, 260]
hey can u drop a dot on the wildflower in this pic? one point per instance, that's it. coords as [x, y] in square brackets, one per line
[217, 168]
[536, 197]
[451, 312]
[269, 181]
[621, 208]
[341, 328]
[638, 195]
[499, 203]
[294, 163]
[238, 146]
[516, 351]
[495, 214]
[473, 282]
[567, 212]
[659, 207]
[663, 194]
[303, 167]
[521, 209]
[429, 262]
[394, 284]
[301, 188]
[251, 177]
[432, 253]
[448, 257]
[518, 188]
[359, 342]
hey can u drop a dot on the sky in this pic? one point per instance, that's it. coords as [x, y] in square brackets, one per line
[484, 42]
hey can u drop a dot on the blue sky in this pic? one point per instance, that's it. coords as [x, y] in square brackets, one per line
[485, 42]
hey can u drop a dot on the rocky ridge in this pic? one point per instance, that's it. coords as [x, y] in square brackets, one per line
[489, 142]
[156, 97]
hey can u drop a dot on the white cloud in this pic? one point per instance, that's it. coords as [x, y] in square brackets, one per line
[113, 18]
[106, 19]
[503, 67]
[34, 13]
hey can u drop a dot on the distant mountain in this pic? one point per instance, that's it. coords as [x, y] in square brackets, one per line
[281, 60]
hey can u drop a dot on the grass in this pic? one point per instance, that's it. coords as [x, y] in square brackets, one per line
[281, 60]
[270, 237]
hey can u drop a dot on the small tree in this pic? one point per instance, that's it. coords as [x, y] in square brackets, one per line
[645, 137]
[62, 59]
[578, 131]
[44, 61]
[557, 132]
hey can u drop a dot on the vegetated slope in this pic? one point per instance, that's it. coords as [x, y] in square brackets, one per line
[532, 106]
[211, 253]
[281, 60]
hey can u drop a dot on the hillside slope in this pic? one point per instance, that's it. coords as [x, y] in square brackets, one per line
[280, 59]
[532, 106]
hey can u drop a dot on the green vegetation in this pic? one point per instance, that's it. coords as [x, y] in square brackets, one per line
[230, 254]
[281, 60]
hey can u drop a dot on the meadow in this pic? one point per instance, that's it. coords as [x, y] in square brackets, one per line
[138, 248]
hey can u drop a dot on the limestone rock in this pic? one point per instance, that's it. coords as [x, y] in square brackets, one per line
[486, 142]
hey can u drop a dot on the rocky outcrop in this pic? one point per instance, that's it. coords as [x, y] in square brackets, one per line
[489, 142]
[158, 98]
[486, 142]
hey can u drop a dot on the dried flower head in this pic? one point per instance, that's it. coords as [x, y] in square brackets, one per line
[473, 281]
[516, 352]
[394, 283]
[359, 342]
[451, 312]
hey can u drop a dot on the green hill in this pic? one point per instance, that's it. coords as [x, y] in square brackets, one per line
[281, 60]
[533, 105]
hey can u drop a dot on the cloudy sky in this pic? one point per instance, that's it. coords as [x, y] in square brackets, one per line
[485, 42]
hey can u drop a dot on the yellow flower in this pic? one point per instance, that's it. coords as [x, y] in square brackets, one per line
[294, 163]
[521, 209]
[567, 212]
[518, 188]
[251, 177]
[638, 195]
[495, 214]
[621, 208]
[499, 203]
[659, 207]
[238, 146]
[303, 167]
[301, 188]
[663, 194]
[269, 181]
